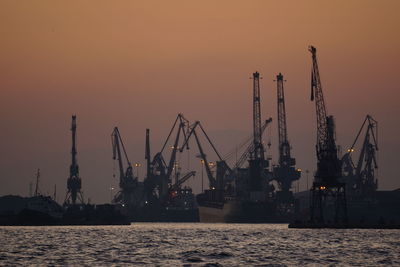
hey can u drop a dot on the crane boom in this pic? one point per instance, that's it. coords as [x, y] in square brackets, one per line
[183, 179]
[211, 179]
[250, 147]
[175, 147]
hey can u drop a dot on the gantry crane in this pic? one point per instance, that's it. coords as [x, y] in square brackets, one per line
[328, 193]
[361, 179]
[285, 173]
[74, 183]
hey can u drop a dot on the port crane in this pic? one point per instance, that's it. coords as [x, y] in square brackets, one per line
[257, 163]
[285, 173]
[129, 193]
[159, 173]
[214, 183]
[360, 179]
[328, 194]
[74, 182]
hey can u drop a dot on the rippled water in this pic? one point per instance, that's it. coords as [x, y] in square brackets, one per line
[168, 244]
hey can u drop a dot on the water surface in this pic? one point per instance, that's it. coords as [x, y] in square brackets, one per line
[197, 244]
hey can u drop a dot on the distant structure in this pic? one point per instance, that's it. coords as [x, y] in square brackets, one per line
[37, 191]
[74, 183]
[285, 173]
[328, 194]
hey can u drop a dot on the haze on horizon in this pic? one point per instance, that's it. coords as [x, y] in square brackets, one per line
[137, 64]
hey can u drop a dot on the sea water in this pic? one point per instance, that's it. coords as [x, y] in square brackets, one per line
[197, 244]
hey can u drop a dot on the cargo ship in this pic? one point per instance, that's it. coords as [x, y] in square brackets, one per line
[247, 195]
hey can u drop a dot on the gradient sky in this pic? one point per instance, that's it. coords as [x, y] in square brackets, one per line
[136, 64]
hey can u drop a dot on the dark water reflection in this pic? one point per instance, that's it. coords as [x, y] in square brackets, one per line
[161, 244]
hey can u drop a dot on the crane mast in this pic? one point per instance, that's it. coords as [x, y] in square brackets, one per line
[74, 182]
[285, 173]
[326, 188]
[147, 154]
[258, 153]
[284, 146]
[37, 183]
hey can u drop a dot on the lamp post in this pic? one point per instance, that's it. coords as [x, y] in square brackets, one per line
[307, 178]
[111, 193]
[202, 180]
[137, 165]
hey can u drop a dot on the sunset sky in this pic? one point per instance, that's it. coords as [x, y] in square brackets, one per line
[137, 64]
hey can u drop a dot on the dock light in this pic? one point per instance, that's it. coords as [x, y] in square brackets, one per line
[350, 150]
[322, 187]
[299, 170]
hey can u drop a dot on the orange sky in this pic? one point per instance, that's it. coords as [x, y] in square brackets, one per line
[136, 64]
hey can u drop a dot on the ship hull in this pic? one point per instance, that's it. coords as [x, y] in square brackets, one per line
[162, 214]
[236, 211]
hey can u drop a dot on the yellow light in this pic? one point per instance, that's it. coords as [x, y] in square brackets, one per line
[299, 170]
[322, 187]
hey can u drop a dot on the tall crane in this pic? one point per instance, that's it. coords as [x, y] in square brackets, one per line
[158, 171]
[285, 173]
[257, 162]
[74, 183]
[360, 178]
[326, 183]
[37, 191]
[127, 182]
[258, 153]
[212, 181]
